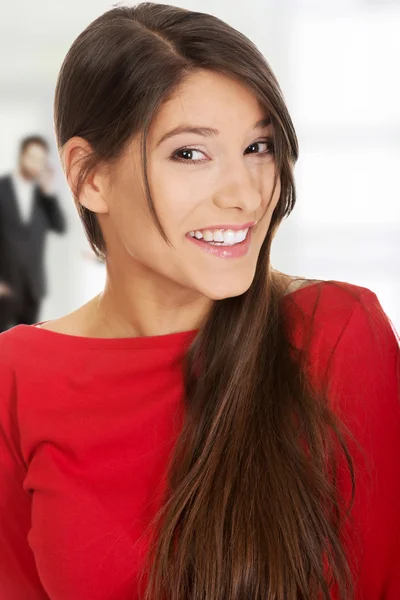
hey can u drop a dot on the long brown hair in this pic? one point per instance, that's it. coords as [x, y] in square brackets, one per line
[252, 509]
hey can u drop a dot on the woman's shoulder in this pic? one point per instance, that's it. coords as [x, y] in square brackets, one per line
[303, 290]
[20, 349]
[26, 350]
[10, 344]
[12, 340]
[328, 300]
[329, 310]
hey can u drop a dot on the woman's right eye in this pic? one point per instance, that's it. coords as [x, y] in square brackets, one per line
[186, 155]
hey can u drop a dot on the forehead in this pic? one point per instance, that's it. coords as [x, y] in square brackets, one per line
[210, 99]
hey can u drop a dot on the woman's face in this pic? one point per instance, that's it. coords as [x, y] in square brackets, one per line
[211, 171]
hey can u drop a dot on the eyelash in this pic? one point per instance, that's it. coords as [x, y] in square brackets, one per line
[268, 141]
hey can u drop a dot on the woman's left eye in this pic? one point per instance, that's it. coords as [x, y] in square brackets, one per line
[267, 147]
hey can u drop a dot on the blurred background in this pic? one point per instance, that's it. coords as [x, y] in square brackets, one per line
[337, 62]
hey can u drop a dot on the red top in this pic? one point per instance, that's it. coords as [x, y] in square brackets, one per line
[87, 425]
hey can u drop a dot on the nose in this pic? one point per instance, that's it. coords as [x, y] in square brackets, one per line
[239, 189]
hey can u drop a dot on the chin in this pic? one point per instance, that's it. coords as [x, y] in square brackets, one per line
[228, 289]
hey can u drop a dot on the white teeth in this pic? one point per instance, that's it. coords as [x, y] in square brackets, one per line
[241, 235]
[229, 236]
[218, 236]
[223, 237]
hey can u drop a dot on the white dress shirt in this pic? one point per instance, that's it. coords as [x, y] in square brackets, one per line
[24, 193]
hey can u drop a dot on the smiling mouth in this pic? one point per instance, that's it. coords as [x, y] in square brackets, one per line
[221, 237]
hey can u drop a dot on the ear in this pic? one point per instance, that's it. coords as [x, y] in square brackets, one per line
[92, 194]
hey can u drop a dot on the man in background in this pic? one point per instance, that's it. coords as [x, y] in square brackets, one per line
[28, 209]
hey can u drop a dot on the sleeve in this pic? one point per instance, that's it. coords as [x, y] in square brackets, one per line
[366, 387]
[55, 216]
[18, 576]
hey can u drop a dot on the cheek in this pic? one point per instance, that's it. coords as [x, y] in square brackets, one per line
[131, 229]
[176, 196]
[270, 201]
[132, 221]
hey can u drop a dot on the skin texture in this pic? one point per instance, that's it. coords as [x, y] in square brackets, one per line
[154, 288]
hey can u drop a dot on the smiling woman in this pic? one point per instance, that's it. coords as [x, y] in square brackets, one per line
[206, 427]
[217, 179]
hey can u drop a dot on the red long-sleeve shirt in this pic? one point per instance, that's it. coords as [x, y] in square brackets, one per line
[87, 425]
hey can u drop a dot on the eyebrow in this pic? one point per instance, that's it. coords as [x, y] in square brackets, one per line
[205, 131]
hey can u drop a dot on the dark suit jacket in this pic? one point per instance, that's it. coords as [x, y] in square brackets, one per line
[22, 244]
